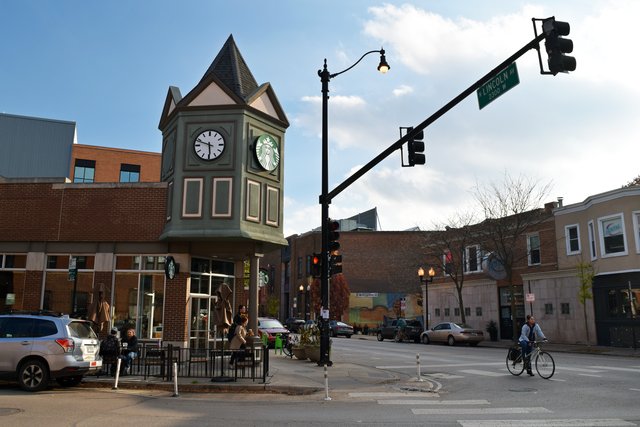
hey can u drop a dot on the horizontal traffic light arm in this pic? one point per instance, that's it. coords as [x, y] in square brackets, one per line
[533, 44]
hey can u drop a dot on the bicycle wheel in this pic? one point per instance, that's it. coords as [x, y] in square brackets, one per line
[545, 365]
[516, 367]
[287, 351]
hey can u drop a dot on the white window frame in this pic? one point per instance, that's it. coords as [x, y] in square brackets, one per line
[467, 264]
[601, 220]
[529, 236]
[593, 250]
[636, 229]
[568, 239]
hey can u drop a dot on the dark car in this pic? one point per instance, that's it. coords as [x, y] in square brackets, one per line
[272, 327]
[294, 324]
[452, 333]
[400, 330]
[340, 328]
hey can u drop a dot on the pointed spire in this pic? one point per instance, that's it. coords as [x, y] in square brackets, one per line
[230, 69]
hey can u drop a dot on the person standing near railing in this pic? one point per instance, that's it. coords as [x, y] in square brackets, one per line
[129, 350]
[530, 332]
[239, 341]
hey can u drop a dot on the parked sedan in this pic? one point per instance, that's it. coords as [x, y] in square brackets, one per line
[271, 327]
[452, 333]
[340, 328]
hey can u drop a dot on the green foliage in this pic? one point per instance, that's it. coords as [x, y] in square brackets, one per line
[585, 275]
[273, 306]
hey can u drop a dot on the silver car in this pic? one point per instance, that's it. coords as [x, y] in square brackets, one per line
[35, 348]
[452, 333]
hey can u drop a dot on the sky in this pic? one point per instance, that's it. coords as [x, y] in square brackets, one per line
[107, 66]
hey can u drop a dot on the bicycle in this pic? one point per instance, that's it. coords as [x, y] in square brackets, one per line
[545, 366]
[287, 347]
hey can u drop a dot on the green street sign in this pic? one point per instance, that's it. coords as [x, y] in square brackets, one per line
[505, 80]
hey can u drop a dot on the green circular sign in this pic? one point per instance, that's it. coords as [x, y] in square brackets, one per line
[267, 152]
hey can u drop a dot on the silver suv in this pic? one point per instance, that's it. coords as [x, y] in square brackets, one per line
[38, 347]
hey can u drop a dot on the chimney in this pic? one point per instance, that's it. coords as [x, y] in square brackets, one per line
[560, 201]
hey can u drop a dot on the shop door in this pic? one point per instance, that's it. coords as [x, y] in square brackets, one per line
[506, 318]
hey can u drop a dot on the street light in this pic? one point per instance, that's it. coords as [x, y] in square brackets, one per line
[301, 305]
[325, 76]
[425, 296]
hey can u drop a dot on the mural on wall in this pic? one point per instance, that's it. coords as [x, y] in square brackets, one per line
[371, 308]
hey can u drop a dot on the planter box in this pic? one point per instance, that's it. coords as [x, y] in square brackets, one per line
[299, 352]
[313, 352]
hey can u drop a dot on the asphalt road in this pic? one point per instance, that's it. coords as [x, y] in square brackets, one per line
[462, 386]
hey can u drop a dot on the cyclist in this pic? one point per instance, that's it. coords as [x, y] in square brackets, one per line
[530, 332]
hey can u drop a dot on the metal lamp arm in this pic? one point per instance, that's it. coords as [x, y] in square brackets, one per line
[381, 51]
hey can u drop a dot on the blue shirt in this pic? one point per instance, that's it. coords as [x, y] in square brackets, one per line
[528, 334]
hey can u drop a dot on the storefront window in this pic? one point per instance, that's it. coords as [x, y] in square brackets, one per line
[206, 278]
[138, 301]
[138, 296]
[59, 289]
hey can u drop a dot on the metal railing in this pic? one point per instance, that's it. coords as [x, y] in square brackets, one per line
[155, 361]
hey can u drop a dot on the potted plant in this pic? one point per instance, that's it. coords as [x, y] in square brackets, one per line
[299, 347]
[312, 343]
[492, 328]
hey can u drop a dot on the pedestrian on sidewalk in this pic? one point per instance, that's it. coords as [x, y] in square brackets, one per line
[110, 351]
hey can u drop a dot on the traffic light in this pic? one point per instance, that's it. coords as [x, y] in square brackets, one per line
[416, 148]
[335, 264]
[334, 235]
[316, 265]
[557, 46]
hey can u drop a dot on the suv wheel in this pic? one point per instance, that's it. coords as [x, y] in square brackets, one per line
[69, 381]
[380, 338]
[33, 375]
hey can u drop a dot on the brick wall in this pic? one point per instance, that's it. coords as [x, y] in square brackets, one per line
[175, 309]
[74, 212]
[108, 161]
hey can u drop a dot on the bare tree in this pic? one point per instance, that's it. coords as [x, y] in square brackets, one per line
[511, 209]
[446, 249]
[634, 182]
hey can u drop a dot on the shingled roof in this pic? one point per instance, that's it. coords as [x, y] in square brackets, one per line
[231, 70]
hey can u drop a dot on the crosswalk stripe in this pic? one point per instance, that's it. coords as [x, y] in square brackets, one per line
[480, 411]
[590, 375]
[392, 394]
[615, 368]
[441, 375]
[583, 370]
[444, 365]
[569, 422]
[432, 402]
[484, 373]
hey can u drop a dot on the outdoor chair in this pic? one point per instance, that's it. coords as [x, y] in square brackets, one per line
[198, 356]
[154, 357]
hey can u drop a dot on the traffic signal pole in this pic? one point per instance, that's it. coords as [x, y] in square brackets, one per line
[533, 44]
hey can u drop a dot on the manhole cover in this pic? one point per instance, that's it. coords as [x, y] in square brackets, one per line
[521, 390]
[9, 411]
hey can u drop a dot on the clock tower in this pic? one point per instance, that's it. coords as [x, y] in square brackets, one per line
[223, 160]
[222, 156]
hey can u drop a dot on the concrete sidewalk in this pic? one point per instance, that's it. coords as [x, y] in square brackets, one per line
[299, 377]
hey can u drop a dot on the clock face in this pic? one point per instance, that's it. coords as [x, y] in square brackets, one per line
[267, 152]
[209, 145]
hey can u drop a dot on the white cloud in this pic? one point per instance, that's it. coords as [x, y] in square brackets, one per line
[402, 90]
[578, 130]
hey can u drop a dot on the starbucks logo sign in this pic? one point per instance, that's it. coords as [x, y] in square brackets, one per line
[267, 152]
